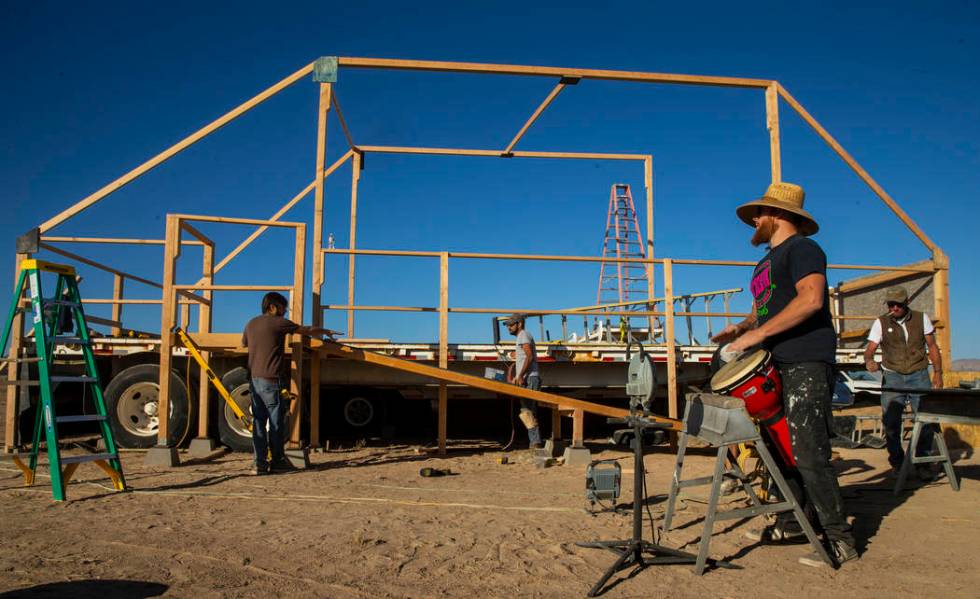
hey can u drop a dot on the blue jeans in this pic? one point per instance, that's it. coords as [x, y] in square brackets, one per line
[892, 407]
[268, 408]
[533, 383]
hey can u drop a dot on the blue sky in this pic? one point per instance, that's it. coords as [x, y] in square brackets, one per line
[92, 91]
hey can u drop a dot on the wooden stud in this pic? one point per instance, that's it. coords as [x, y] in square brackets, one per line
[355, 177]
[578, 428]
[940, 292]
[772, 123]
[498, 153]
[204, 322]
[648, 186]
[672, 405]
[326, 92]
[443, 345]
[170, 254]
[176, 148]
[296, 309]
[118, 283]
[878, 189]
[530, 121]
[10, 436]
[507, 69]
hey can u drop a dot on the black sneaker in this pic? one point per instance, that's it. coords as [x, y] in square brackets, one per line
[844, 552]
[776, 533]
[260, 469]
[282, 465]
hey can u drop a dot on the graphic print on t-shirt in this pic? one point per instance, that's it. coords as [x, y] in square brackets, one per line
[761, 287]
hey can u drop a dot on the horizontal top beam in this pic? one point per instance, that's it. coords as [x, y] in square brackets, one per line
[508, 69]
[238, 221]
[501, 154]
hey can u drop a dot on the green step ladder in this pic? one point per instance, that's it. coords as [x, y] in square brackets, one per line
[47, 320]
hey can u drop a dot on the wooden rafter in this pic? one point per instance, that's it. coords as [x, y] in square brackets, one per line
[530, 121]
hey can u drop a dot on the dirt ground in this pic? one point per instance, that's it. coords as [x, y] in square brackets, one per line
[363, 523]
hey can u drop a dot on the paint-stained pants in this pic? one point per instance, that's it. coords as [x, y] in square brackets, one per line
[807, 392]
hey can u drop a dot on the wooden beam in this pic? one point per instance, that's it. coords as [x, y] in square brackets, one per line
[884, 278]
[236, 221]
[114, 240]
[530, 121]
[170, 254]
[851, 162]
[186, 226]
[648, 187]
[507, 69]
[118, 283]
[499, 154]
[95, 264]
[672, 405]
[772, 123]
[443, 346]
[298, 342]
[204, 322]
[355, 177]
[206, 287]
[326, 93]
[176, 148]
[343, 122]
[940, 292]
[10, 436]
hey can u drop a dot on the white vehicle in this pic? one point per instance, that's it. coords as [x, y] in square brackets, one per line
[862, 381]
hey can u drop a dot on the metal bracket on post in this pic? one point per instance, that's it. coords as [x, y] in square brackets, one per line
[30, 242]
[325, 69]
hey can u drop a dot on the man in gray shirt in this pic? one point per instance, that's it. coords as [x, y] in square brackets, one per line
[525, 374]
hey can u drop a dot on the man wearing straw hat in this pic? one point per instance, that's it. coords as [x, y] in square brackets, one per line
[791, 319]
[904, 336]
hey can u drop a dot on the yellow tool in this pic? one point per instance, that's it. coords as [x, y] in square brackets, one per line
[195, 353]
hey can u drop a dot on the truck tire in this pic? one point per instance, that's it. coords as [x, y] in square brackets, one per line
[132, 403]
[359, 411]
[231, 431]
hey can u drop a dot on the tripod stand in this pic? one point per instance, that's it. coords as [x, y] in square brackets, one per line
[636, 551]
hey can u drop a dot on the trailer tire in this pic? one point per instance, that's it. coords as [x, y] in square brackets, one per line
[131, 402]
[230, 430]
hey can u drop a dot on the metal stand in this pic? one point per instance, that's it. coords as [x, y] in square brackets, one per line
[943, 458]
[636, 551]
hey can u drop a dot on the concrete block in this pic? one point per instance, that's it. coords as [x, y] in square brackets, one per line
[299, 458]
[577, 456]
[202, 447]
[554, 447]
[161, 456]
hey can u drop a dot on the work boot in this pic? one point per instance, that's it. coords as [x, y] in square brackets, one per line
[840, 552]
[259, 469]
[281, 465]
[777, 533]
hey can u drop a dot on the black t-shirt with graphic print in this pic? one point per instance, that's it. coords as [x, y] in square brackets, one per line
[774, 286]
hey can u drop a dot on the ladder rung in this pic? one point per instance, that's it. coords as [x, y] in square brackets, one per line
[57, 302]
[73, 379]
[21, 360]
[89, 457]
[81, 418]
[70, 341]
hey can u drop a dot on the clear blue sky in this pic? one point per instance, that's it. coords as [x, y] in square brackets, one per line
[92, 90]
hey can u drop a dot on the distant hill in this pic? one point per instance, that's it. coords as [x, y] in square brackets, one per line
[968, 364]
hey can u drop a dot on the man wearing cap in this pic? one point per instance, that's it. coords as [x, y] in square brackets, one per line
[904, 336]
[791, 319]
[525, 374]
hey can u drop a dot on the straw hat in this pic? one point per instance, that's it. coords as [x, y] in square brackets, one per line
[784, 196]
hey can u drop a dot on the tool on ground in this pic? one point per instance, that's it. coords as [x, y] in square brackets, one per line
[723, 422]
[195, 352]
[602, 482]
[636, 551]
[48, 323]
[433, 472]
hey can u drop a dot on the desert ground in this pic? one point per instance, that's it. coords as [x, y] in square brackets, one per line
[362, 522]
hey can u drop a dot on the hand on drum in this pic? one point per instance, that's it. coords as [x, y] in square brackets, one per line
[748, 339]
[727, 334]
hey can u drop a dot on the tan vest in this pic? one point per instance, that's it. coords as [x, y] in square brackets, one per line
[897, 353]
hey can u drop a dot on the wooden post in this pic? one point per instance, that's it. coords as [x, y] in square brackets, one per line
[772, 123]
[118, 283]
[555, 424]
[316, 362]
[578, 428]
[355, 177]
[296, 365]
[204, 326]
[171, 252]
[326, 89]
[10, 437]
[669, 334]
[940, 284]
[648, 184]
[443, 344]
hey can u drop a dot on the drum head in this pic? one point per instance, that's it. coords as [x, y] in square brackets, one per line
[733, 373]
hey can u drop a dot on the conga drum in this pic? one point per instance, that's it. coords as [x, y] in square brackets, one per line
[755, 380]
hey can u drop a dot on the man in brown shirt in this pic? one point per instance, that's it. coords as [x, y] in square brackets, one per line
[265, 337]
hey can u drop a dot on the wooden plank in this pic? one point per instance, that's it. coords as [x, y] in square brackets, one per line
[114, 240]
[206, 287]
[443, 345]
[772, 124]
[578, 428]
[534, 116]
[326, 92]
[176, 148]
[296, 366]
[95, 264]
[343, 122]
[355, 177]
[940, 291]
[450, 376]
[204, 323]
[170, 254]
[672, 404]
[10, 436]
[851, 162]
[118, 285]
[648, 187]
[884, 278]
[507, 69]
[499, 154]
[236, 221]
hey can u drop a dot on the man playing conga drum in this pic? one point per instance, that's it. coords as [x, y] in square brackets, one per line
[791, 319]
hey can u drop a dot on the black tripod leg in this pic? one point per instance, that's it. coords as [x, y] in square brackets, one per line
[618, 565]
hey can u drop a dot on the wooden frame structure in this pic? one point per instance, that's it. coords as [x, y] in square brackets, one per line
[325, 71]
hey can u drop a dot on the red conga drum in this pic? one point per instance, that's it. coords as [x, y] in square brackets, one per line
[755, 380]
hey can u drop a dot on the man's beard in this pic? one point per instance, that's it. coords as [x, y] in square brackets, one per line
[764, 232]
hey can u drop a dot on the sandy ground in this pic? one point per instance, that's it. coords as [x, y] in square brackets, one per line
[363, 523]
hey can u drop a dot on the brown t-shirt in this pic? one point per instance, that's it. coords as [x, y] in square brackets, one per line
[265, 338]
